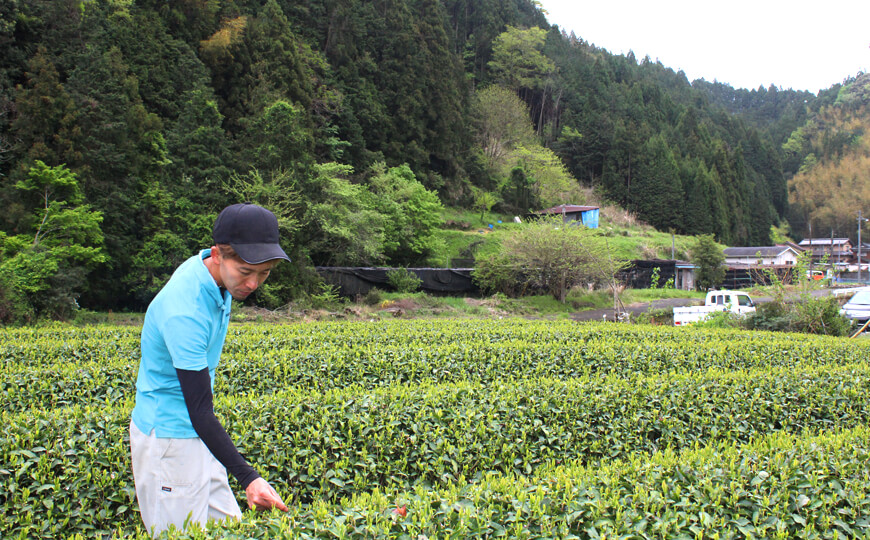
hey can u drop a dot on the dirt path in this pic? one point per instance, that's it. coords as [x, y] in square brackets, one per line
[634, 309]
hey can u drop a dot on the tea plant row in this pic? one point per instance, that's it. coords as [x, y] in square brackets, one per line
[472, 429]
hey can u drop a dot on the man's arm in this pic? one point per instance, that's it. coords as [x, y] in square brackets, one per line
[196, 388]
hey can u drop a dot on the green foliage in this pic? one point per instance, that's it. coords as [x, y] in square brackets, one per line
[807, 315]
[373, 297]
[720, 319]
[709, 259]
[547, 255]
[156, 107]
[403, 280]
[517, 60]
[277, 140]
[326, 297]
[484, 201]
[492, 403]
[654, 279]
[44, 270]
[501, 121]
[412, 214]
[342, 226]
[198, 145]
[663, 316]
[552, 184]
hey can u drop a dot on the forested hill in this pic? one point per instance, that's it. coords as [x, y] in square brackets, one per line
[125, 126]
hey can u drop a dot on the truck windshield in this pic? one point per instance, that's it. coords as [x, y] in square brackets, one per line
[862, 297]
[744, 301]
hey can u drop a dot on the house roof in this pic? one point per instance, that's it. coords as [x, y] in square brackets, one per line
[823, 241]
[762, 251]
[566, 208]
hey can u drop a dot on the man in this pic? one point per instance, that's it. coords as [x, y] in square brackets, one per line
[181, 452]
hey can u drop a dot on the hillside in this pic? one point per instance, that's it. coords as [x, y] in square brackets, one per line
[130, 125]
[470, 236]
[831, 186]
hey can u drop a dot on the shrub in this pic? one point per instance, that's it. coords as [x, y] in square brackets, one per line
[809, 315]
[663, 316]
[720, 319]
[547, 255]
[373, 297]
[326, 297]
[770, 316]
[403, 280]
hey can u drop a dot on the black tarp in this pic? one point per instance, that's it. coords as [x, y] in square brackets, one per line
[353, 281]
[638, 275]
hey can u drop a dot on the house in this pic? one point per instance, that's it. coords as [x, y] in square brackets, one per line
[852, 257]
[587, 215]
[836, 249]
[761, 256]
[794, 246]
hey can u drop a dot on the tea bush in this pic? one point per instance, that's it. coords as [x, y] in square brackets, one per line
[464, 429]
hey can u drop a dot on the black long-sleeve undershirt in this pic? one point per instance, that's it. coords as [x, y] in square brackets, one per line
[196, 388]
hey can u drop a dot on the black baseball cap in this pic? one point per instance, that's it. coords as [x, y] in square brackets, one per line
[251, 230]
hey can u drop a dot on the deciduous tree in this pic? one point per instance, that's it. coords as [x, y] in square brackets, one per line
[45, 267]
[547, 255]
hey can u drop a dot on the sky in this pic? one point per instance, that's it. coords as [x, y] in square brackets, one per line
[793, 44]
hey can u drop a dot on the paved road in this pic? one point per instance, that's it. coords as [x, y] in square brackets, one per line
[666, 303]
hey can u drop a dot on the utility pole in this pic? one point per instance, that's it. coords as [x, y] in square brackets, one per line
[861, 221]
[811, 249]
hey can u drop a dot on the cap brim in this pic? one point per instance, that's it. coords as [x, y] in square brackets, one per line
[259, 253]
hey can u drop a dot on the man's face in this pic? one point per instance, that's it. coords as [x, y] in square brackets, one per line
[241, 278]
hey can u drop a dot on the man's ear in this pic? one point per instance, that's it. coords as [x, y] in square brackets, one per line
[216, 255]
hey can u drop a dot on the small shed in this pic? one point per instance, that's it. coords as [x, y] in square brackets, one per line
[638, 274]
[587, 215]
[685, 275]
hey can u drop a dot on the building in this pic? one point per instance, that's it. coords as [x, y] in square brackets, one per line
[852, 258]
[835, 249]
[638, 274]
[587, 215]
[760, 256]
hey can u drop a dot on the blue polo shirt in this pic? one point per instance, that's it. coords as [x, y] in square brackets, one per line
[185, 327]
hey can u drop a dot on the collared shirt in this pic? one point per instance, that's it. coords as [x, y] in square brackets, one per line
[185, 328]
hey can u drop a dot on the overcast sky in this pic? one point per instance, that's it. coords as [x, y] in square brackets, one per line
[745, 43]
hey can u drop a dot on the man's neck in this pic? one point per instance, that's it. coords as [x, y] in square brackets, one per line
[213, 268]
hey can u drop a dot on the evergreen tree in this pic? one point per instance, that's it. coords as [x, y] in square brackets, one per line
[120, 148]
[657, 194]
[709, 260]
[46, 113]
[199, 149]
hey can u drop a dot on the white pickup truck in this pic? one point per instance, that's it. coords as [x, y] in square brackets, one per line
[735, 302]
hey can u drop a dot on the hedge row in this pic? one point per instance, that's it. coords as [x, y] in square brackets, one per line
[103, 367]
[651, 349]
[68, 469]
[781, 486]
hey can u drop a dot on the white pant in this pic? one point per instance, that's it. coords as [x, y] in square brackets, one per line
[178, 480]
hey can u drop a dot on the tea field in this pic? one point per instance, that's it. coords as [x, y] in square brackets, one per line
[464, 429]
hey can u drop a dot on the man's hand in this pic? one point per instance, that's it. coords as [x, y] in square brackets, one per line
[262, 496]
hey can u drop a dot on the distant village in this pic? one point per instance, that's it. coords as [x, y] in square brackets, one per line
[831, 258]
[836, 259]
